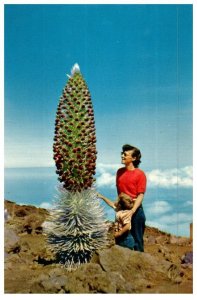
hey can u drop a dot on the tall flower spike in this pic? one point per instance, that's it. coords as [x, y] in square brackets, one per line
[76, 226]
[75, 140]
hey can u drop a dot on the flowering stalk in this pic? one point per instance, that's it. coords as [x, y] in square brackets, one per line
[74, 142]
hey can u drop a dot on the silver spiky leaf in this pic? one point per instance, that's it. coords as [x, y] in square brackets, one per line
[76, 227]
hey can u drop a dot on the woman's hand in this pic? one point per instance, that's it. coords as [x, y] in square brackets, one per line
[127, 214]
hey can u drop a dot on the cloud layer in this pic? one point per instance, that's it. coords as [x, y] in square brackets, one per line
[170, 178]
[106, 175]
[168, 217]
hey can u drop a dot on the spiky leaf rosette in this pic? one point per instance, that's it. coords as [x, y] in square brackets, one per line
[75, 140]
[76, 227]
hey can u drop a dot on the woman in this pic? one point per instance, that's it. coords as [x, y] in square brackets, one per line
[132, 181]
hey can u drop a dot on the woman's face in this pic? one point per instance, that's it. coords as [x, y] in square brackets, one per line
[127, 158]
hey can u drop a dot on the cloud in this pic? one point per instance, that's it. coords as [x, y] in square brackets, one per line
[101, 168]
[106, 175]
[175, 218]
[175, 223]
[177, 229]
[160, 207]
[106, 179]
[171, 178]
[46, 205]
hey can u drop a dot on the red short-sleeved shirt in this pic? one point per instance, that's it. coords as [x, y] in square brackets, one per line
[131, 182]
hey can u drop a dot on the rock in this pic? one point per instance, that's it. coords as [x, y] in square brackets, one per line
[33, 223]
[92, 279]
[10, 241]
[56, 271]
[162, 239]
[174, 274]
[163, 249]
[150, 240]
[6, 215]
[187, 258]
[138, 269]
[166, 253]
[179, 240]
[53, 284]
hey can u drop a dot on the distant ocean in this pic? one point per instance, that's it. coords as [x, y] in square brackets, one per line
[38, 187]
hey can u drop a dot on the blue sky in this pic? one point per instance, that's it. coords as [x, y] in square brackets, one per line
[136, 60]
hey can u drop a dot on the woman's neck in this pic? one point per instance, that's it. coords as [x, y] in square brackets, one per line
[130, 167]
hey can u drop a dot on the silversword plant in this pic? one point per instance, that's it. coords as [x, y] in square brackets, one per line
[76, 226]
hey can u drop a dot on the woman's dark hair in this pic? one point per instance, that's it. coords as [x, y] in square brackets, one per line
[136, 153]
